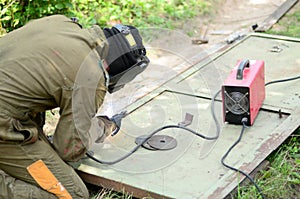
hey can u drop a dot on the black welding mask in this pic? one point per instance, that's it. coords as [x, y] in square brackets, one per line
[126, 56]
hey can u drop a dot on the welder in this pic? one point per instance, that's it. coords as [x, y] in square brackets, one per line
[54, 62]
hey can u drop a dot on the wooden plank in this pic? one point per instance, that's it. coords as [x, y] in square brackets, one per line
[275, 16]
[202, 38]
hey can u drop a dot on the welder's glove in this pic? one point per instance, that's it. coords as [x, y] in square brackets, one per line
[109, 126]
[117, 120]
[104, 128]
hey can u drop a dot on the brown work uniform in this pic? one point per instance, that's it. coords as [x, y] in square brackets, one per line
[50, 62]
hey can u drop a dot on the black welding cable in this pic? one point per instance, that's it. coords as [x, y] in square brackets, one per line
[145, 140]
[133, 150]
[282, 80]
[238, 170]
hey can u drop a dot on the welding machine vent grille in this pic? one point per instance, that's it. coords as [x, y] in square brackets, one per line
[237, 102]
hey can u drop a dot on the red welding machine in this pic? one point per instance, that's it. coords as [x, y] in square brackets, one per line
[243, 92]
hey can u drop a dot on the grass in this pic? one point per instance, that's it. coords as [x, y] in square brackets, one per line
[104, 193]
[289, 25]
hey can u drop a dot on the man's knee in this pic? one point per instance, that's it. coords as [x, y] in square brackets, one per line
[80, 192]
[14, 188]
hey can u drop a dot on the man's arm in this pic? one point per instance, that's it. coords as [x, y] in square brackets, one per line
[78, 128]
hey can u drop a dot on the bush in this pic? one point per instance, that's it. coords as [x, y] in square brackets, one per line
[141, 13]
[15, 13]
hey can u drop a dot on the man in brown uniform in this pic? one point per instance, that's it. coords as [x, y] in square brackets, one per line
[53, 62]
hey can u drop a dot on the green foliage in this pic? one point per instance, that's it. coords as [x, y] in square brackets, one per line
[15, 13]
[141, 13]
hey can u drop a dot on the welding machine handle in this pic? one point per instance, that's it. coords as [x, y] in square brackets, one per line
[244, 63]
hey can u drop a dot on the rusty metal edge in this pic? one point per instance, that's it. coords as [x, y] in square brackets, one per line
[290, 125]
[117, 186]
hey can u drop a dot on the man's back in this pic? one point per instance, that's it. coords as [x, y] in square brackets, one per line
[38, 60]
[43, 65]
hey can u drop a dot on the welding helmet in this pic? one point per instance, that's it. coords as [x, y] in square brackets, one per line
[126, 56]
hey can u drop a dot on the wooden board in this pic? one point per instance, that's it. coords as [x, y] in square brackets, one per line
[276, 15]
[193, 168]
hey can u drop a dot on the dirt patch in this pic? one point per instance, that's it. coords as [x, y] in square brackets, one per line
[229, 16]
